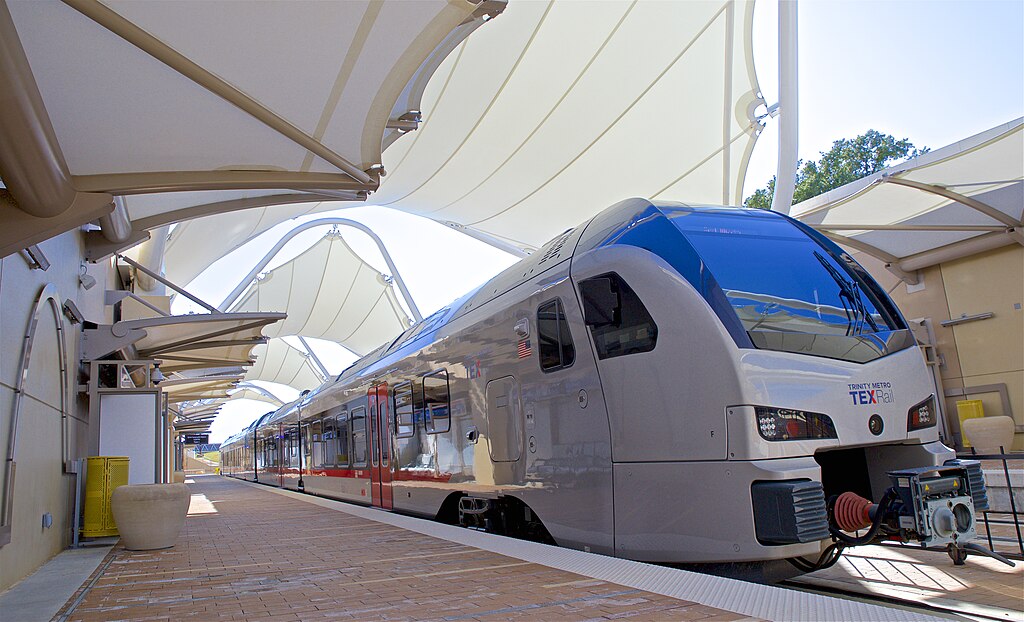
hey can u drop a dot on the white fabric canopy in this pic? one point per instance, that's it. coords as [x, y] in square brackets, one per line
[178, 391]
[329, 293]
[279, 362]
[194, 244]
[128, 98]
[525, 135]
[967, 196]
[249, 394]
[560, 109]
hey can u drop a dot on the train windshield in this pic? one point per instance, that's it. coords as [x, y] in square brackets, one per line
[789, 292]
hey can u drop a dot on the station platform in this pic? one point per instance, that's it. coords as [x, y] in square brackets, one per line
[250, 552]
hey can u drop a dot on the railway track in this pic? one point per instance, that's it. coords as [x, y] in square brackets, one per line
[942, 607]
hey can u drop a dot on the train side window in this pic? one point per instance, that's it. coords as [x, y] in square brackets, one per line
[306, 453]
[357, 422]
[316, 436]
[553, 338]
[436, 399]
[341, 452]
[405, 423]
[330, 436]
[618, 320]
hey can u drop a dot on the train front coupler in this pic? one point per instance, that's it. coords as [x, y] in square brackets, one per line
[933, 506]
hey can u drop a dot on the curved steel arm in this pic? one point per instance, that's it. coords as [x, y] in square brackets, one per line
[258, 389]
[48, 297]
[237, 292]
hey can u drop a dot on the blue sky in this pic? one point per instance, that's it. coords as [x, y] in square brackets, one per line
[934, 72]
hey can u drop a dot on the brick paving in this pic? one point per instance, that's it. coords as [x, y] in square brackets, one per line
[249, 554]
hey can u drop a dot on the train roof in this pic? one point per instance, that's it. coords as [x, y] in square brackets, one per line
[240, 435]
[562, 247]
[599, 230]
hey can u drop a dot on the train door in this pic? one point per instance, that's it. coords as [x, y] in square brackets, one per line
[281, 454]
[380, 447]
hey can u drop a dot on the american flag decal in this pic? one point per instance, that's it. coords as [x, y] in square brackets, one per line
[524, 348]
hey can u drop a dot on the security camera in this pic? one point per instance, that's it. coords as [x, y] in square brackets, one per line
[72, 312]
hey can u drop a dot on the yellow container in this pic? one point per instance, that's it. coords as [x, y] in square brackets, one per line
[968, 409]
[103, 475]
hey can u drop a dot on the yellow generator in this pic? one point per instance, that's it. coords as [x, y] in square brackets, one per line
[103, 475]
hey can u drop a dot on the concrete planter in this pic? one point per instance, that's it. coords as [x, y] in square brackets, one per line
[988, 434]
[149, 516]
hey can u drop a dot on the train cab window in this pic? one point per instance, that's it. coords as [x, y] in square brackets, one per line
[405, 422]
[342, 431]
[357, 422]
[436, 400]
[618, 320]
[553, 338]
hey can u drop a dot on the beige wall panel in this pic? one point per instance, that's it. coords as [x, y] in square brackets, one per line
[928, 300]
[992, 281]
[40, 485]
[1014, 382]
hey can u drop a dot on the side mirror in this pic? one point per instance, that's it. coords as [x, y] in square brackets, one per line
[601, 303]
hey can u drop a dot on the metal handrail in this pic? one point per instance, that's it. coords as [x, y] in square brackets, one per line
[1015, 516]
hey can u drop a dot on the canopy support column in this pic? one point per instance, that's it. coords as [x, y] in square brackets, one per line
[313, 357]
[789, 132]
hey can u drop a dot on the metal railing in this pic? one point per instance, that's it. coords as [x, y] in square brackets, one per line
[992, 518]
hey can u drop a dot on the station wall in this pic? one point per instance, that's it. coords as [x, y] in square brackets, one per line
[977, 353]
[45, 438]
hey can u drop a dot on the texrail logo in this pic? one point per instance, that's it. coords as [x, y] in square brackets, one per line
[865, 393]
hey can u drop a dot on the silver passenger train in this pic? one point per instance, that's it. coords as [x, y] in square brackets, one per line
[664, 383]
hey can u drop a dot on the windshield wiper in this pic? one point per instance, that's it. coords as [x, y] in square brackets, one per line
[849, 292]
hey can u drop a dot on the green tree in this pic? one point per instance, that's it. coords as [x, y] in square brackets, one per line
[848, 160]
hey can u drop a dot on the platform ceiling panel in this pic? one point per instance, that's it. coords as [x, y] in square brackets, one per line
[281, 363]
[329, 293]
[968, 190]
[135, 98]
[195, 244]
[525, 135]
[199, 390]
[249, 394]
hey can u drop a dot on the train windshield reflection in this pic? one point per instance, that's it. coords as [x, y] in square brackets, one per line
[779, 280]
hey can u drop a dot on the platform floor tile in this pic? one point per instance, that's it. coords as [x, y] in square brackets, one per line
[249, 554]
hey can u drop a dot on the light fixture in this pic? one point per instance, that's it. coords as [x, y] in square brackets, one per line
[72, 312]
[35, 258]
[85, 279]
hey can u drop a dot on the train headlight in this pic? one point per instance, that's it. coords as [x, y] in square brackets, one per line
[781, 424]
[922, 415]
